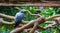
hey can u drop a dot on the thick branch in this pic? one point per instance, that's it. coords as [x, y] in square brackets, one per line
[28, 25]
[34, 27]
[31, 4]
[57, 20]
[19, 30]
[27, 30]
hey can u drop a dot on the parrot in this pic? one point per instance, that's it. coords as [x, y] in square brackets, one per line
[19, 17]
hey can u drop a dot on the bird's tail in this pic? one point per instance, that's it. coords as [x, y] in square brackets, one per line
[17, 25]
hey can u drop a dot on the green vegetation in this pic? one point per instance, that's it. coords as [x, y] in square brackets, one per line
[46, 11]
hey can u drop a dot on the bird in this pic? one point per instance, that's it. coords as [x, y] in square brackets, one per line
[19, 17]
[37, 12]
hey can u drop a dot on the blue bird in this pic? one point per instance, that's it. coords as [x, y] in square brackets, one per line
[19, 16]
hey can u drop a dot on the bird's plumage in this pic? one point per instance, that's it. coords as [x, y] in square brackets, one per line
[18, 17]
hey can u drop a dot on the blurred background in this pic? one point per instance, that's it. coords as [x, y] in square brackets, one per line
[46, 11]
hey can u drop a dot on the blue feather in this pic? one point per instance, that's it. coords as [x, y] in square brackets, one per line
[19, 17]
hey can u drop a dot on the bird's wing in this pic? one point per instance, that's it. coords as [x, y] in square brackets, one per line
[19, 17]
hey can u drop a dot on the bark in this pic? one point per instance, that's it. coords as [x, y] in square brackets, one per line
[29, 12]
[32, 4]
[5, 22]
[38, 21]
[19, 30]
[50, 25]
[7, 16]
[23, 22]
[57, 20]
[52, 17]
[34, 27]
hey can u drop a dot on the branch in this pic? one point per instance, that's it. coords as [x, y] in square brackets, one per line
[50, 25]
[11, 23]
[11, 17]
[27, 30]
[48, 22]
[52, 17]
[5, 22]
[31, 23]
[33, 14]
[57, 20]
[31, 4]
[19, 30]
[34, 27]
[7, 16]
[41, 28]
[29, 12]
[17, 8]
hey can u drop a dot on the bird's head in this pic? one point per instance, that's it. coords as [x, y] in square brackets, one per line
[23, 11]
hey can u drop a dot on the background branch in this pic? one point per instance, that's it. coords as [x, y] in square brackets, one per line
[50, 25]
[52, 17]
[27, 25]
[5, 22]
[29, 12]
[7, 16]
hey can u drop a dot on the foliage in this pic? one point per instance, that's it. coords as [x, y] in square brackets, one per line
[45, 11]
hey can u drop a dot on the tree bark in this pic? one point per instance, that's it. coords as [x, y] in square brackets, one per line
[19, 30]
[34, 27]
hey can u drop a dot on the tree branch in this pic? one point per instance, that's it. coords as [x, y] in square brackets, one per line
[34, 27]
[39, 20]
[5, 22]
[52, 17]
[11, 17]
[50, 25]
[19, 30]
[7, 16]
[57, 20]
[29, 12]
